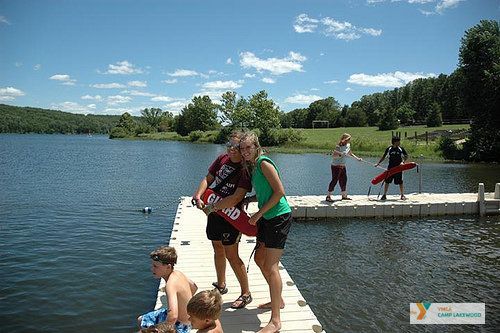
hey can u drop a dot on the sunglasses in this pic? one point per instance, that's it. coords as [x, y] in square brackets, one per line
[156, 257]
[232, 145]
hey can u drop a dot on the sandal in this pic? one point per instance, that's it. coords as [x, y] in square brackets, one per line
[222, 290]
[244, 300]
[346, 198]
[329, 198]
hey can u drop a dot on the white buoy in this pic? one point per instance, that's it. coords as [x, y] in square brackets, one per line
[147, 210]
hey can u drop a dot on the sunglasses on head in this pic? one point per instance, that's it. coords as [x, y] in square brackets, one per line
[232, 145]
[156, 257]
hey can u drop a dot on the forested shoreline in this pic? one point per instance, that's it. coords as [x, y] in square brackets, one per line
[15, 119]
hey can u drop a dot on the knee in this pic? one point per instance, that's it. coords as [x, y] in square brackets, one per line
[218, 248]
[233, 258]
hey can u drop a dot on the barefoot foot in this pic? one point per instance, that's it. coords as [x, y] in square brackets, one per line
[268, 305]
[271, 328]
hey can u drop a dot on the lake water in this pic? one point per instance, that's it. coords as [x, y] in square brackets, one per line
[74, 245]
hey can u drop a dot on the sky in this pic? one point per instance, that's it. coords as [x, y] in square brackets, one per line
[116, 56]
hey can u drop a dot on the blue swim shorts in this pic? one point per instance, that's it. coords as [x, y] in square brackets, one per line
[154, 317]
[182, 328]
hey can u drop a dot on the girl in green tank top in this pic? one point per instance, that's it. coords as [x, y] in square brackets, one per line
[274, 221]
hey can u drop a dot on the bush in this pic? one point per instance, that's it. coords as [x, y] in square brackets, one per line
[449, 150]
[195, 136]
[276, 137]
[118, 133]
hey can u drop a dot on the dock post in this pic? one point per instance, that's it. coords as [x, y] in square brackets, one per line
[497, 191]
[419, 168]
[480, 200]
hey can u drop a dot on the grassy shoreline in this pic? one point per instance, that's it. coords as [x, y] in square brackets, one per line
[365, 142]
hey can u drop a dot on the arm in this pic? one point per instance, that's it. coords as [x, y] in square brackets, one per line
[173, 306]
[231, 200]
[192, 286]
[405, 155]
[383, 157]
[352, 154]
[205, 182]
[273, 178]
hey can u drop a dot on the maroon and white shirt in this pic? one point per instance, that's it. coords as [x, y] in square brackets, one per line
[233, 175]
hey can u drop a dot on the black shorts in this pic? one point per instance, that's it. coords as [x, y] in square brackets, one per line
[218, 229]
[274, 232]
[397, 177]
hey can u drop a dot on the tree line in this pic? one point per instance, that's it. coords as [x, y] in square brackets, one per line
[14, 119]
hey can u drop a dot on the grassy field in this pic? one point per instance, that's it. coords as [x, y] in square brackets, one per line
[369, 141]
[366, 141]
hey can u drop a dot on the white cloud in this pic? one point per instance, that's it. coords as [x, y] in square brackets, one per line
[162, 99]
[215, 95]
[390, 80]
[10, 93]
[37, 67]
[222, 85]
[331, 82]
[64, 79]
[4, 20]
[118, 99]
[446, 4]
[123, 67]
[93, 98]
[137, 83]
[91, 106]
[183, 73]
[176, 107]
[229, 61]
[349, 89]
[107, 85]
[314, 89]
[137, 93]
[120, 111]
[302, 99]
[73, 107]
[18, 64]
[304, 23]
[332, 28]
[275, 66]
[268, 80]
[170, 81]
[248, 75]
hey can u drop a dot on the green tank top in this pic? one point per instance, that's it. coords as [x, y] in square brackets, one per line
[264, 191]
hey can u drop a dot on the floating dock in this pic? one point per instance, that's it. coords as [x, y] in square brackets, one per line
[416, 205]
[195, 259]
[195, 253]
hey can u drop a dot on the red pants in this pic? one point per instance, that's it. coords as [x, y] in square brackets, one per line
[339, 174]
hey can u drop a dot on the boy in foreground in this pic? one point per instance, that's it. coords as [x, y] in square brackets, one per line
[178, 288]
[204, 311]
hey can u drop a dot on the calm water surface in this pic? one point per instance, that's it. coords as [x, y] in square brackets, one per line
[74, 246]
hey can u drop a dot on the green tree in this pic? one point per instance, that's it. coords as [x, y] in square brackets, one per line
[389, 120]
[323, 109]
[152, 117]
[266, 113]
[479, 61]
[200, 115]
[405, 114]
[434, 118]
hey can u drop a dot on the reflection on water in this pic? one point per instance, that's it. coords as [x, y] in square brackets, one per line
[74, 245]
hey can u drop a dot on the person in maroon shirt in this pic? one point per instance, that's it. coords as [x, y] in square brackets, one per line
[227, 177]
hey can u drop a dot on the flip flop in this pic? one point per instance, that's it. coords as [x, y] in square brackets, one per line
[244, 300]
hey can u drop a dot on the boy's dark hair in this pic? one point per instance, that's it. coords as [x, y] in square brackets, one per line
[395, 139]
[164, 254]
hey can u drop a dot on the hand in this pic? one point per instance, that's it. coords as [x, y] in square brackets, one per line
[376, 165]
[360, 159]
[208, 209]
[254, 218]
[197, 202]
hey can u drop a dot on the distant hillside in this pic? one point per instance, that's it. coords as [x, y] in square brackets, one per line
[14, 119]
